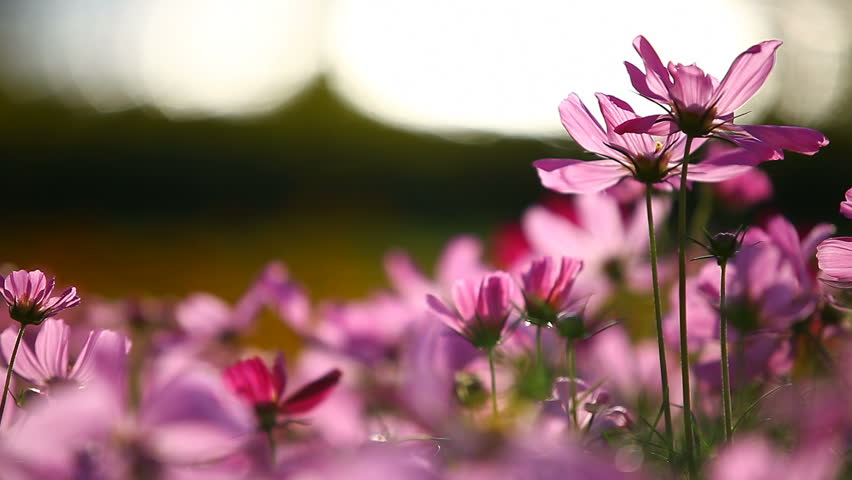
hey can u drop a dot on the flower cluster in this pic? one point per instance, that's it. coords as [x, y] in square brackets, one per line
[565, 358]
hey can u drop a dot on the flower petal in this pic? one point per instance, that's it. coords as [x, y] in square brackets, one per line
[27, 365]
[582, 126]
[746, 75]
[51, 348]
[578, 176]
[311, 394]
[794, 139]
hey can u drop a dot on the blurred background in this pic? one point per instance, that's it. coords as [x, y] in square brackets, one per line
[159, 147]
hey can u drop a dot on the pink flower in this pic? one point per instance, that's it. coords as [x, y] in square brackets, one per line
[835, 260]
[644, 157]
[835, 254]
[263, 388]
[846, 206]
[746, 190]
[481, 309]
[698, 105]
[611, 245]
[547, 287]
[28, 296]
[753, 458]
[47, 363]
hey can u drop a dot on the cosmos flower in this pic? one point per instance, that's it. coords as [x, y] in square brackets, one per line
[28, 296]
[699, 105]
[47, 364]
[482, 309]
[264, 389]
[547, 286]
[648, 159]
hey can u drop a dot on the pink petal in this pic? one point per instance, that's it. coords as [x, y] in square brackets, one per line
[461, 258]
[721, 167]
[640, 83]
[746, 75]
[494, 299]
[846, 206]
[657, 76]
[251, 380]
[652, 125]
[405, 277]
[835, 258]
[103, 354]
[27, 364]
[616, 112]
[578, 176]
[51, 348]
[581, 125]
[449, 317]
[464, 295]
[311, 394]
[794, 139]
[279, 375]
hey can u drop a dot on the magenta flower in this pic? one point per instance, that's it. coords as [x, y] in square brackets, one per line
[746, 190]
[28, 296]
[47, 363]
[646, 158]
[481, 310]
[264, 389]
[835, 254]
[846, 205]
[547, 287]
[835, 260]
[699, 105]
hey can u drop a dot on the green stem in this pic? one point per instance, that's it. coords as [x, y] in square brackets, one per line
[723, 339]
[658, 312]
[9, 371]
[683, 235]
[572, 377]
[493, 382]
[538, 345]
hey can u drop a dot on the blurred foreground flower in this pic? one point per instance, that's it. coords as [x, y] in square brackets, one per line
[264, 389]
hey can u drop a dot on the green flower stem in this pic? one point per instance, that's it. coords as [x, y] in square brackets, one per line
[728, 413]
[9, 371]
[572, 377]
[493, 382]
[683, 235]
[658, 313]
[538, 345]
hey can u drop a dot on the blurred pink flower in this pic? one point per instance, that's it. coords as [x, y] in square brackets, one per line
[612, 246]
[186, 417]
[835, 254]
[47, 363]
[846, 205]
[835, 260]
[753, 458]
[28, 296]
[482, 309]
[206, 317]
[461, 258]
[547, 286]
[698, 104]
[746, 190]
[644, 157]
[264, 389]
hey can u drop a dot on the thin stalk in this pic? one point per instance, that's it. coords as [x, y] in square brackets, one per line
[538, 345]
[723, 339]
[683, 235]
[493, 382]
[9, 371]
[572, 376]
[658, 312]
